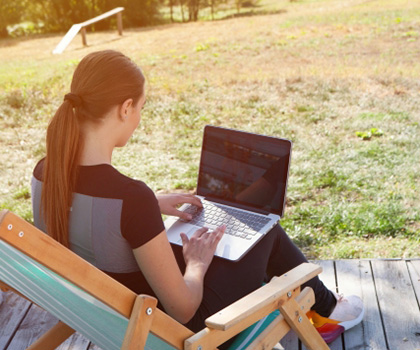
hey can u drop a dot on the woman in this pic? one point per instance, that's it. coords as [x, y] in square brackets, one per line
[115, 222]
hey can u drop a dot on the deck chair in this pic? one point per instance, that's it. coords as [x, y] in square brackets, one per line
[110, 315]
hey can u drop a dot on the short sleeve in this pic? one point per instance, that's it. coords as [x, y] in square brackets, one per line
[141, 220]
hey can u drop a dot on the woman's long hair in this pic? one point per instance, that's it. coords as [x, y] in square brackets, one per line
[101, 81]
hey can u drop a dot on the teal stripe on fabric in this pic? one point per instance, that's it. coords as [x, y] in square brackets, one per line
[84, 313]
[246, 337]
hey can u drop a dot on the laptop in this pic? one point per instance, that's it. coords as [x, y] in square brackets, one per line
[242, 180]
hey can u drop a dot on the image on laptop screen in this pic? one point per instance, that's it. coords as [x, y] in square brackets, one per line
[250, 171]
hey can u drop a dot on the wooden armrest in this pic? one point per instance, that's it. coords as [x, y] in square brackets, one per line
[264, 299]
[4, 287]
[209, 338]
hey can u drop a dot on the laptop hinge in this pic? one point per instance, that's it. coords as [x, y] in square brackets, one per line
[237, 205]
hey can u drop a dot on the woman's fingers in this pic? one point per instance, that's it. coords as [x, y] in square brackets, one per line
[200, 247]
[191, 199]
[169, 204]
[184, 238]
[217, 235]
[200, 232]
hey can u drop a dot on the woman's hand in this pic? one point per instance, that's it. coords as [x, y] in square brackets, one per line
[199, 249]
[168, 204]
[179, 294]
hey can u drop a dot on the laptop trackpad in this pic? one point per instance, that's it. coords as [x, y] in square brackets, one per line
[189, 231]
[224, 248]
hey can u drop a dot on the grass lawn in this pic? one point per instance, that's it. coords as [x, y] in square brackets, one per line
[340, 78]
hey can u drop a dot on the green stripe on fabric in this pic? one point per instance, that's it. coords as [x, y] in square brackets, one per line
[84, 313]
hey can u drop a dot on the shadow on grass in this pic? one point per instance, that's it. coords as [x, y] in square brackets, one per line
[161, 24]
[251, 13]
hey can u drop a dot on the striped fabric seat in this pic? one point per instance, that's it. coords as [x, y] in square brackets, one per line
[113, 317]
[82, 312]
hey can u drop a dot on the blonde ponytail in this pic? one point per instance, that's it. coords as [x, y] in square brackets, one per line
[102, 80]
[60, 171]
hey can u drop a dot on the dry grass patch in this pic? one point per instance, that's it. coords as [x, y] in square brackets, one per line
[320, 73]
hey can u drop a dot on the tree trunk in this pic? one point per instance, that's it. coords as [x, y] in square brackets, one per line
[238, 6]
[171, 5]
[181, 4]
[193, 8]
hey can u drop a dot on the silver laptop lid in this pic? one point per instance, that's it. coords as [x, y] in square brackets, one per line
[244, 170]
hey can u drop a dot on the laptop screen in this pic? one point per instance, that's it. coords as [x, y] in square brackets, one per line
[246, 169]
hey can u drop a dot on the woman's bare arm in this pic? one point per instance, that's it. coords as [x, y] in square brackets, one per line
[179, 294]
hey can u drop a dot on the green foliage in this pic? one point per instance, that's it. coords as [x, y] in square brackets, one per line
[30, 17]
[309, 76]
[139, 13]
[25, 29]
[10, 13]
[367, 135]
[201, 47]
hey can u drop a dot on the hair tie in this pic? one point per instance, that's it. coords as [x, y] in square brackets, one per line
[74, 99]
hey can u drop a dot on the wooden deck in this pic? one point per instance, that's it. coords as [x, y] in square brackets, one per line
[390, 290]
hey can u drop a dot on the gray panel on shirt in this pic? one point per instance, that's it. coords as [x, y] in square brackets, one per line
[95, 232]
[36, 189]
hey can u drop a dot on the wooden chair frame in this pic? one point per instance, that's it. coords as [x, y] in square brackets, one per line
[282, 293]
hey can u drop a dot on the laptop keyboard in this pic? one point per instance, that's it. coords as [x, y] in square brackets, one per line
[238, 223]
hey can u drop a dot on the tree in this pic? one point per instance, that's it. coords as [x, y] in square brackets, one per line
[139, 13]
[181, 5]
[171, 8]
[238, 4]
[10, 13]
[60, 15]
[193, 8]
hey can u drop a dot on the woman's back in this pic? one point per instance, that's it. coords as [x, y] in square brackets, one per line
[111, 215]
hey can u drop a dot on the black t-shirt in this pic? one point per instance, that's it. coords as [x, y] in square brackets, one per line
[111, 214]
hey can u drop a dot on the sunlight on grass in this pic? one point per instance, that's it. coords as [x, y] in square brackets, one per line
[338, 78]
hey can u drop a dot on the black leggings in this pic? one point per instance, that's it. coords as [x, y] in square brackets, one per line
[226, 281]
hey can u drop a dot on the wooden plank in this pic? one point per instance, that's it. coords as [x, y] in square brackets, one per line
[328, 274]
[35, 323]
[354, 277]
[328, 278]
[139, 323]
[414, 269]
[295, 316]
[264, 297]
[83, 34]
[397, 285]
[279, 327]
[67, 39]
[75, 342]
[119, 23]
[330, 281]
[398, 304]
[12, 313]
[290, 341]
[76, 28]
[101, 17]
[53, 338]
